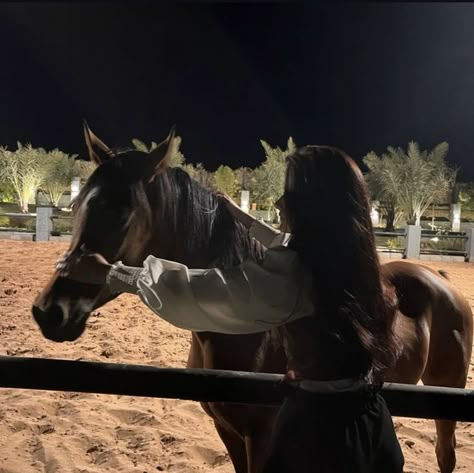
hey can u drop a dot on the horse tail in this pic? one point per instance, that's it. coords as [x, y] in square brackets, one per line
[444, 273]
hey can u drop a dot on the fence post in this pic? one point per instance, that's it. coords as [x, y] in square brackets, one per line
[244, 200]
[374, 213]
[455, 217]
[470, 245]
[75, 187]
[44, 224]
[412, 242]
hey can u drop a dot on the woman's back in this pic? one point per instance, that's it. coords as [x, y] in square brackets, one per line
[327, 208]
[319, 355]
[349, 340]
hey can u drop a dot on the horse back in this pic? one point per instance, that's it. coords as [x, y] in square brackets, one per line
[420, 288]
[434, 323]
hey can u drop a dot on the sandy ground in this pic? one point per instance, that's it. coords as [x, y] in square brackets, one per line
[53, 432]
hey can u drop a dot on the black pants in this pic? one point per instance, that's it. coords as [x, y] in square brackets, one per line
[335, 435]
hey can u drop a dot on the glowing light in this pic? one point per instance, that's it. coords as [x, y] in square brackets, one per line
[375, 215]
[75, 187]
[245, 201]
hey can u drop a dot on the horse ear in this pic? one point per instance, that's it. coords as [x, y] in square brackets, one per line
[161, 155]
[99, 152]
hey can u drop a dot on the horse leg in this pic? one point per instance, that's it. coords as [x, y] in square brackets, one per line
[235, 446]
[445, 429]
[258, 441]
[446, 445]
[256, 448]
[448, 365]
[453, 376]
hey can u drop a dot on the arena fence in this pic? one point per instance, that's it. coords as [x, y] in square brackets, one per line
[412, 243]
[214, 386]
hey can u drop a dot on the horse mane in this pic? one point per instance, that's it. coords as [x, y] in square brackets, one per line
[189, 209]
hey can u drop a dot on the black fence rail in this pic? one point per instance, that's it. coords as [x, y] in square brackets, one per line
[58, 225]
[214, 386]
[390, 242]
[18, 222]
[444, 244]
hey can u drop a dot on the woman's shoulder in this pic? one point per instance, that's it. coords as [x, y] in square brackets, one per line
[282, 259]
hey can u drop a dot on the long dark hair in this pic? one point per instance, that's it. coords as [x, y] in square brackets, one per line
[328, 211]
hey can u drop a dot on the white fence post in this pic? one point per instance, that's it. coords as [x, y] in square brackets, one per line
[244, 201]
[470, 245]
[412, 241]
[455, 217]
[75, 187]
[374, 213]
[44, 224]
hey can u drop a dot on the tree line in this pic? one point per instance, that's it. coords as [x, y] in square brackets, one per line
[404, 183]
[28, 170]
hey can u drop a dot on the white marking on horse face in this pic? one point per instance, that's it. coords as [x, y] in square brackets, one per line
[85, 201]
[79, 216]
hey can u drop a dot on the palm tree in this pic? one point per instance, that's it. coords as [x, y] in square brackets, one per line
[383, 183]
[425, 179]
[410, 182]
[268, 180]
[23, 170]
[60, 168]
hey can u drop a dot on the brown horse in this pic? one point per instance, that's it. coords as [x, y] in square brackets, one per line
[133, 206]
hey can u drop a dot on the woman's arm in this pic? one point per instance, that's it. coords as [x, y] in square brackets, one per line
[249, 298]
[265, 234]
[241, 216]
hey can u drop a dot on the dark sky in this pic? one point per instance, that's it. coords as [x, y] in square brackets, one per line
[358, 76]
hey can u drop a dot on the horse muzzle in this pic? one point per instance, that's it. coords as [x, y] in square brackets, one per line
[58, 325]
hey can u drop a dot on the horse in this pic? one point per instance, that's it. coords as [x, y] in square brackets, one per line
[135, 205]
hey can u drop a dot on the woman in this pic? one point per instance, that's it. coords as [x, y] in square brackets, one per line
[324, 292]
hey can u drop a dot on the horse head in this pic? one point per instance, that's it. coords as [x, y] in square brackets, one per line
[107, 219]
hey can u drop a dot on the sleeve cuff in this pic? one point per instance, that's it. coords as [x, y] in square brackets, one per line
[123, 278]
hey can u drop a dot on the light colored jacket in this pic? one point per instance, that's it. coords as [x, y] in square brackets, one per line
[248, 298]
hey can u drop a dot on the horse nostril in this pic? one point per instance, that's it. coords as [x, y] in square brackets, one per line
[56, 316]
[53, 317]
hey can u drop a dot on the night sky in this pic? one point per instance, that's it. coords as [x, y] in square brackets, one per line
[358, 76]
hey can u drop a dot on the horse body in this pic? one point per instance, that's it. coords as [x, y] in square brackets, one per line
[128, 210]
[436, 327]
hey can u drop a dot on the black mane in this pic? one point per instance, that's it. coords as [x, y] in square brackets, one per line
[202, 218]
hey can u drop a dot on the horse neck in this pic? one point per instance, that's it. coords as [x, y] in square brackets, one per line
[192, 226]
[178, 233]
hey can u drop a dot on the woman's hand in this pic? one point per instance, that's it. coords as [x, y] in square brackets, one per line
[231, 204]
[85, 267]
[235, 210]
[290, 376]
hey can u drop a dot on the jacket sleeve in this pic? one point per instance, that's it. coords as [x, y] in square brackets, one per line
[267, 235]
[248, 298]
